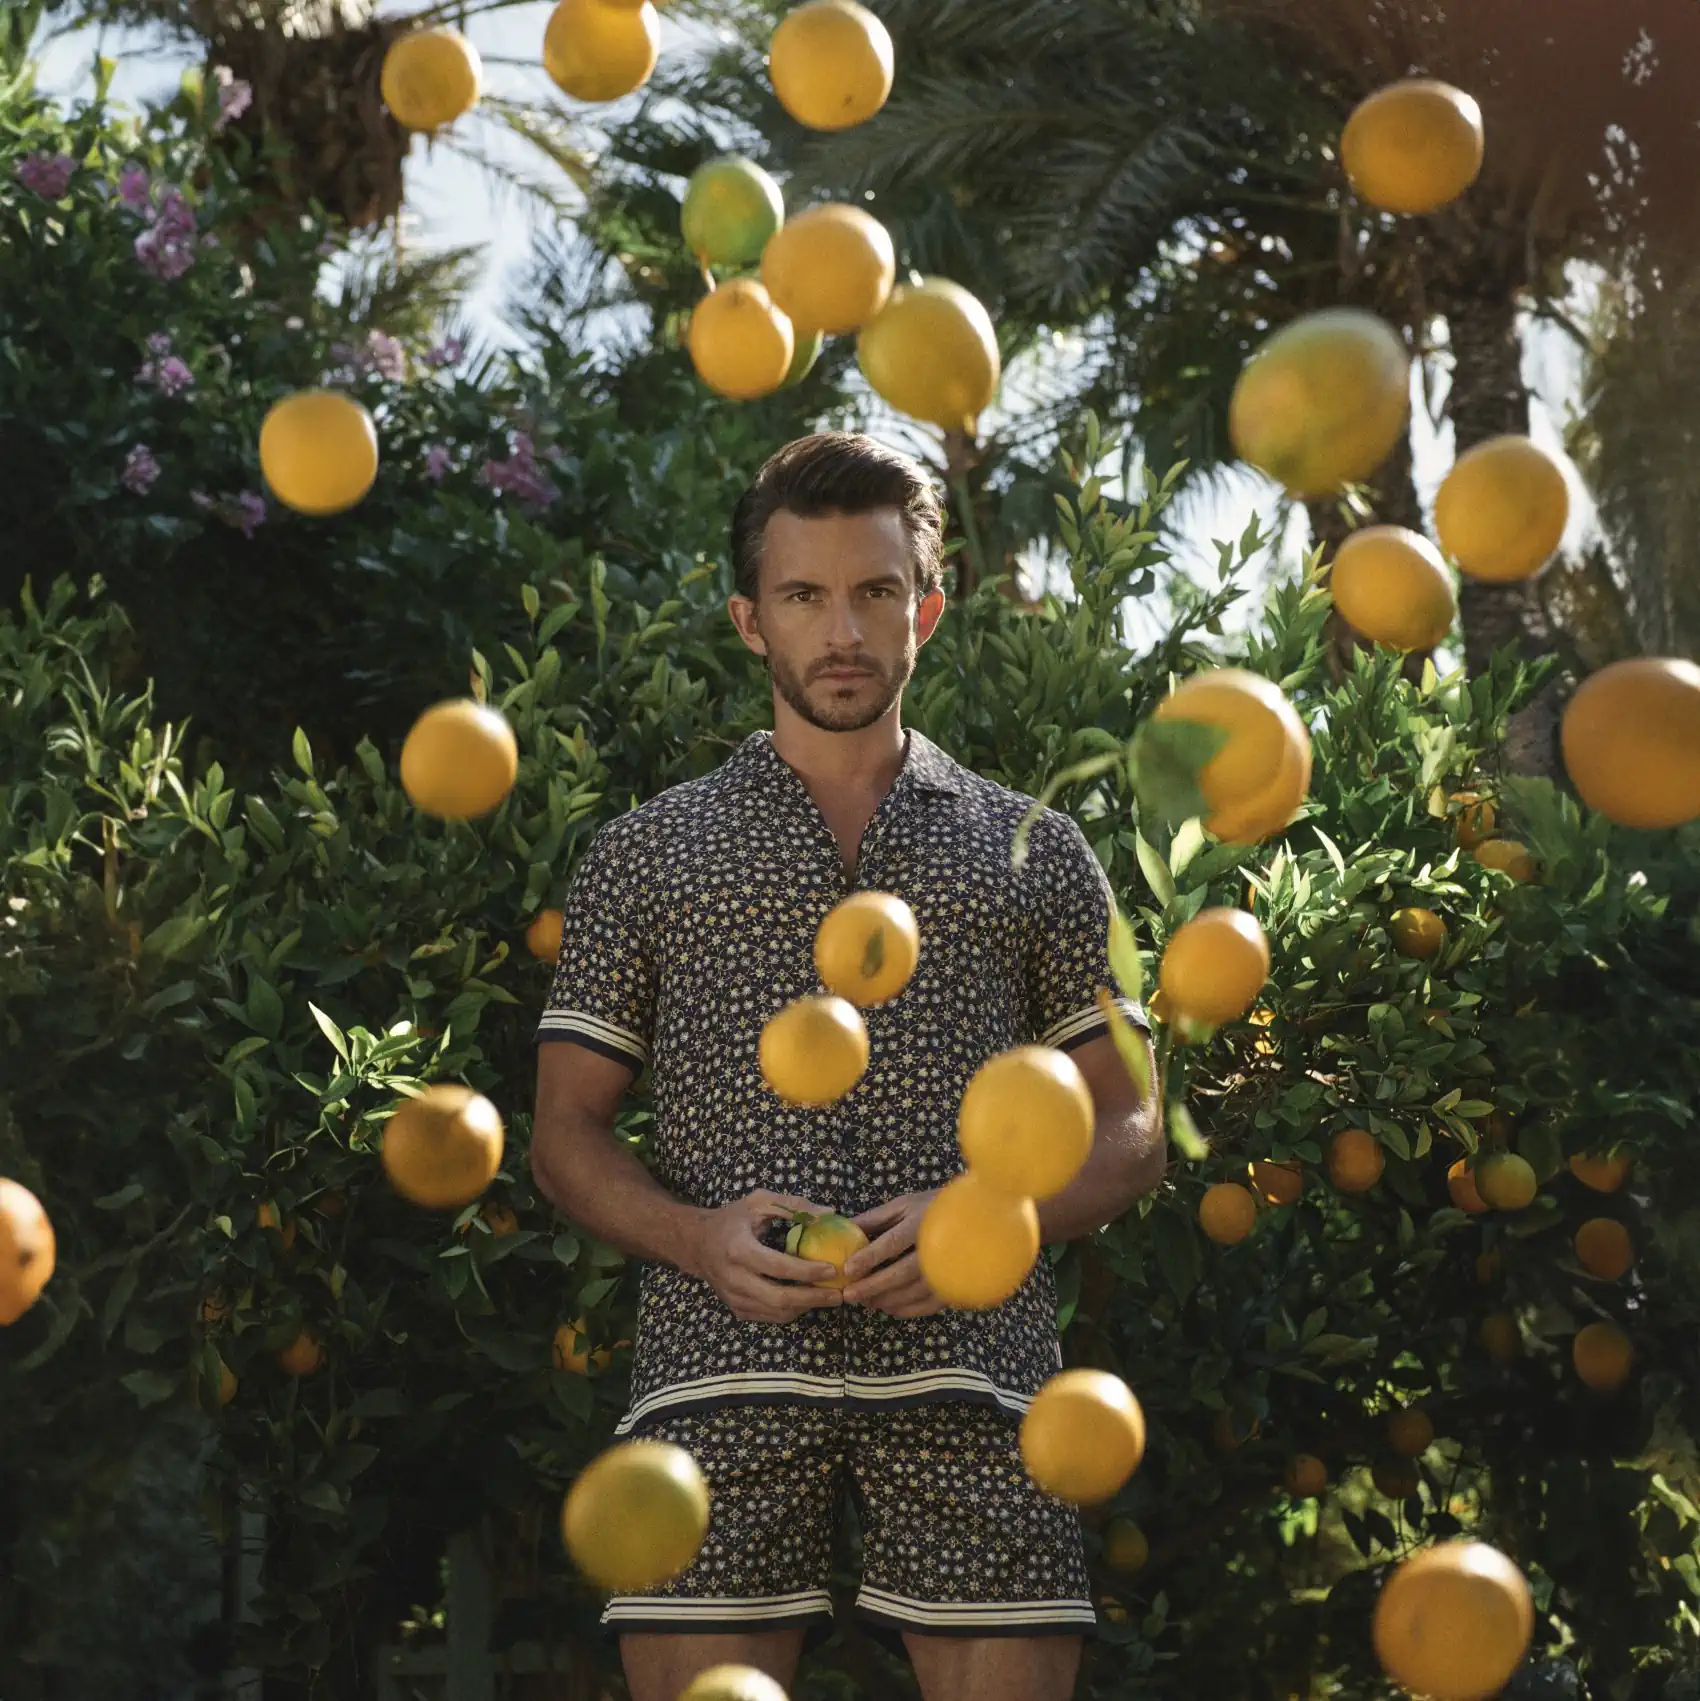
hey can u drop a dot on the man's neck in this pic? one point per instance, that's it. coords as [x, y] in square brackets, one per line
[862, 763]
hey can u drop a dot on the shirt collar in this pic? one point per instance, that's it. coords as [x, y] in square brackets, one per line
[925, 766]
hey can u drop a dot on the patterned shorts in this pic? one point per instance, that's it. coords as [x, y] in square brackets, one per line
[956, 1539]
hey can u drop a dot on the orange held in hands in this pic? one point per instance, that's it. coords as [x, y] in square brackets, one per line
[1631, 738]
[1501, 511]
[636, 1516]
[28, 1250]
[318, 451]
[866, 948]
[1391, 586]
[828, 1239]
[1322, 402]
[1453, 1622]
[1025, 1122]
[814, 1050]
[1414, 146]
[976, 1243]
[1083, 1436]
[1258, 778]
[831, 62]
[459, 760]
[443, 1148]
[1215, 965]
[594, 50]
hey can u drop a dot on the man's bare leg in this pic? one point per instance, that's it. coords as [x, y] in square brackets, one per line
[994, 1668]
[659, 1666]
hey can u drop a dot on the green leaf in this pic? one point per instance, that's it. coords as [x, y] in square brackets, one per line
[1178, 1253]
[150, 1386]
[1155, 870]
[1131, 1045]
[330, 1030]
[1167, 757]
[1184, 1132]
[123, 1291]
[1124, 955]
[124, 1196]
[265, 1007]
[174, 936]
[303, 752]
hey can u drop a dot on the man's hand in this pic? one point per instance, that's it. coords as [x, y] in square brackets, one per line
[758, 1284]
[886, 1275]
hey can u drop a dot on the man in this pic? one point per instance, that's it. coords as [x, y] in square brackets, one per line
[689, 922]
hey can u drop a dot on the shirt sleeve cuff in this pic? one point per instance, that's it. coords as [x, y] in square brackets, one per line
[1090, 1023]
[595, 1034]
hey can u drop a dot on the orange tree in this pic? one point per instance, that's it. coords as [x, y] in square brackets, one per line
[212, 999]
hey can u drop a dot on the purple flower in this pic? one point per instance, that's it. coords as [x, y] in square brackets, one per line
[248, 511]
[167, 247]
[134, 189]
[46, 175]
[140, 470]
[159, 342]
[520, 475]
[445, 353]
[437, 462]
[384, 355]
[171, 377]
[234, 96]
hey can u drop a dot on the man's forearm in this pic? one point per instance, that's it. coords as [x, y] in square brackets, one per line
[598, 1182]
[1128, 1154]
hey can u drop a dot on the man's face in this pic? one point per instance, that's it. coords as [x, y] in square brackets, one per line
[838, 615]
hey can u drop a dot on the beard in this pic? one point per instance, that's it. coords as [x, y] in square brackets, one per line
[830, 705]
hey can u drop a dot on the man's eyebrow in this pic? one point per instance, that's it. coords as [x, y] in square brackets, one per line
[796, 584]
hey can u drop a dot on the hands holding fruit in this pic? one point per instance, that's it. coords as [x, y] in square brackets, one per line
[828, 1260]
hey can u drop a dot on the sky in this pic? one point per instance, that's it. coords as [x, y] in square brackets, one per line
[453, 199]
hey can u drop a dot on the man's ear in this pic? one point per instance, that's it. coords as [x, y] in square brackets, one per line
[927, 616]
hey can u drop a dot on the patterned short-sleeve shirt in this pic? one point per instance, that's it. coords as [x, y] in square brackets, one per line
[691, 920]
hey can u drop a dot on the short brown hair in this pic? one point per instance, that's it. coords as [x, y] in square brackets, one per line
[839, 472]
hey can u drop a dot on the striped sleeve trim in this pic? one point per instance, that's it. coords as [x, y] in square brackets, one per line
[1089, 1023]
[595, 1034]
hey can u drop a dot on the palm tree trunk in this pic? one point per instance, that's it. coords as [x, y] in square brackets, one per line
[1489, 398]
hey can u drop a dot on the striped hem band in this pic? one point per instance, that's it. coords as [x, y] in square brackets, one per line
[706, 1613]
[977, 1618]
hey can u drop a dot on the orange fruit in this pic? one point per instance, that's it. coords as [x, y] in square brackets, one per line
[1461, 1185]
[1083, 1436]
[331, 1204]
[1416, 932]
[740, 343]
[1603, 1173]
[266, 1217]
[1631, 738]
[1414, 146]
[831, 269]
[1505, 1181]
[1390, 585]
[1602, 1356]
[1126, 1549]
[430, 77]
[226, 1383]
[1215, 965]
[1322, 402]
[1395, 1479]
[831, 63]
[1227, 1213]
[1258, 778]
[730, 212]
[1501, 511]
[1275, 1183]
[597, 52]
[1305, 1476]
[931, 352]
[977, 1243]
[303, 1355]
[1500, 1337]
[443, 1148]
[543, 935]
[732, 1683]
[1410, 1431]
[499, 1219]
[636, 1515]
[828, 1239]
[28, 1250]
[1453, 1621]
[572, 1350]
[1475, 818]
[814, 1050]
[1355, 1160]
[1025, 1122]
[1508, 856]
[1604, 1249]
[459, 760]
[318, 451]
[1232, 1427]
[866, 948]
